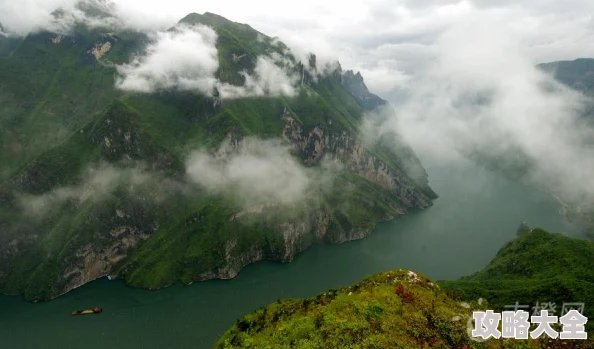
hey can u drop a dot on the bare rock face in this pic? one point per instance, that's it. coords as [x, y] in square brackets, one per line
[93, 235]
[100, 50]
[356, 86]
[105, 254]
[93, 261]
[234, 261]
[351, 152]
[297, 236]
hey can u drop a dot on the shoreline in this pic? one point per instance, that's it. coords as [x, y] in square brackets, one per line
[198, 280]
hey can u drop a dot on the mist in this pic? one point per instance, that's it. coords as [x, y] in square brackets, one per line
[186, 59]
[98, 183]
[20, 18]
[268, 80]
[461, 74]
[247, 172]
[256, 171]
[483, 95]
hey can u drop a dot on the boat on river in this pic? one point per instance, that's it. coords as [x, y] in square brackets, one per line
[95, 310]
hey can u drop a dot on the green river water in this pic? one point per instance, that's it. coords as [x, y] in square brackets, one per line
[477, 213]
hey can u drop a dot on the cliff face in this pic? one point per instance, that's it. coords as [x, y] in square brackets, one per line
[315, 144]
[296, 235]
[94, 260]
[355, 84]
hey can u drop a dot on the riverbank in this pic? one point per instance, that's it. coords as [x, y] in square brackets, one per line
[477, 213]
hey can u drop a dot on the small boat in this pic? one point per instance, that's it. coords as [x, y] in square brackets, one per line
[95, 310]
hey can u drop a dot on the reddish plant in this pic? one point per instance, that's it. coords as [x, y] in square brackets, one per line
[404, 294]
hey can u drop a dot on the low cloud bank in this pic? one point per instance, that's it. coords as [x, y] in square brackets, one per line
[249, 172]
[26, 16]
[98, 184]
[257, 171]
[186, 59]
[484, 96]
[268, 80]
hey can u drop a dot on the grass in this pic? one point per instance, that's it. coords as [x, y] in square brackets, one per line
[401, 309]
[536, 266]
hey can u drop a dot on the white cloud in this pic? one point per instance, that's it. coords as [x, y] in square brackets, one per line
[303, 47]
[268, 80]
[24, 16]
[384, 77]
[442, 52]
[484, 93]
[363, 35]
[256, 171]
[185, 58]
[97, 184]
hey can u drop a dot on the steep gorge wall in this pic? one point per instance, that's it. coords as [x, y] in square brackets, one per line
[313, 145]
[299, 234]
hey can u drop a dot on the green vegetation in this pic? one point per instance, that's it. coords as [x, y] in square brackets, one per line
[93, 179]
[397, 309]
[51, 89]
[401, 309]
[535, 267]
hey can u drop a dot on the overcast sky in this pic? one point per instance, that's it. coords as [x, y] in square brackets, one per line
[387, 40]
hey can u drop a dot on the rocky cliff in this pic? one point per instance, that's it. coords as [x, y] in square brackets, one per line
[164, 185]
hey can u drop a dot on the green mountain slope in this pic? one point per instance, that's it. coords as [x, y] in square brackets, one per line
[51, 86]
[401, 309]
[96, 181]
[577, 74]
[535, 267]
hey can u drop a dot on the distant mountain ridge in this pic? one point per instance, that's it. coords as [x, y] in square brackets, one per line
[577, 74]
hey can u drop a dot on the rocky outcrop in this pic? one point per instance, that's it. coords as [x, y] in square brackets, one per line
[354, 83]
[92, 261]
[145, 139]
[316, 143]
[234, 261]
[101, 47]
[296, 236]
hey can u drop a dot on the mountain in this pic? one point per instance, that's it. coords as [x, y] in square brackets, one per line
[536, 266]
[404, 309]
[517, 164]
[123, 156]
[577, 74]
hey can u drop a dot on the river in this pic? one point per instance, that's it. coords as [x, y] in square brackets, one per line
[477, 213]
